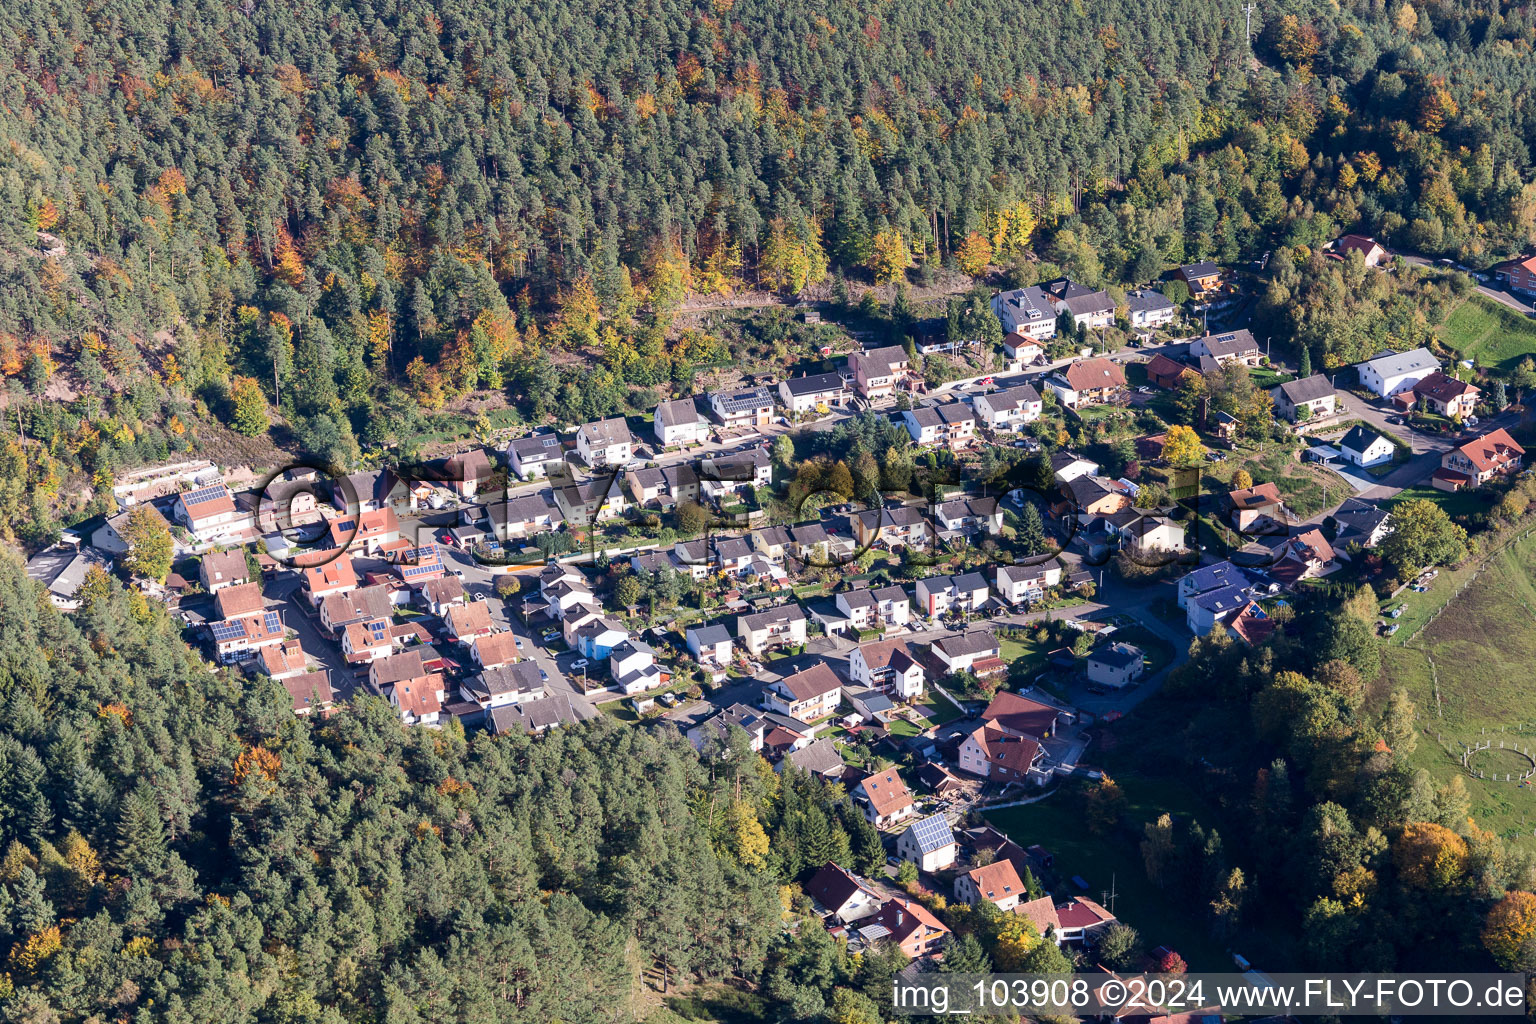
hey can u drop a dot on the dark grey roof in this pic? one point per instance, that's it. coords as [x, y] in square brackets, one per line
[1231, 343]
[976, 642]
[1307, 389]
[820, 757]
[815, 384]
[1145, 300]
[1024, 393]
[1085, 490]
[742, 400]
[677, 412]
[534, 715]
[1027, 304]
[519, 677]
[537, 448]
[1359, 439]
[709, 636]
[605, 432]
[62, 572]
[770, 616]
[1205, 268]
[1116, 655]
[1093, 302]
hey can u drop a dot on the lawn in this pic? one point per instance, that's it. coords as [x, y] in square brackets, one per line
[1491, 333]
[1029, 653]
[1104, 861]
[938, 710]
[1482, 685]
[1158, 651]
[1455, 503]
[1306, 487]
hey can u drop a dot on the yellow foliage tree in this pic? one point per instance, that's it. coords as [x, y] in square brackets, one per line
[425, 383]
[1509, 932]
[1429, 856]
[1182, 446]
[974, 254]
[1012, 230]
[748, 839]
[889, 256]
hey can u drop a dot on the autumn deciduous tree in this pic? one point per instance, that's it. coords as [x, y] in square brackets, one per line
[1242, 479]
[150, 548]
[889, 257]
[973, 254]
[1429, 856]
[1182, 446]
[250, 417]
[1509, 932]
[1103, 806]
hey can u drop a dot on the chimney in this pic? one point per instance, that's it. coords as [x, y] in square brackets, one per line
[900, 916]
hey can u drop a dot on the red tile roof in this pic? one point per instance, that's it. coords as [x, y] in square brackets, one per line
[811, 682]
[1015, 753]
[1090, 374]
[1494, 451]
[1257, 496]
[885, 792]
[996, 881]
[241, 599]
[1020, 715]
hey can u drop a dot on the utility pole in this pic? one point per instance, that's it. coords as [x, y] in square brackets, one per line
[1248, 10]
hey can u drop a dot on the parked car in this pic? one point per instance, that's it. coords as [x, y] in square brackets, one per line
[518, 641]
[579, 664]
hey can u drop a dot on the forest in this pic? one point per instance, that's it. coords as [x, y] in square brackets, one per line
[324, 225]
[178, 846]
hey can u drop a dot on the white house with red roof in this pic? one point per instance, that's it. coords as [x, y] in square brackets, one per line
[884, 799]
[335, 576]
[1494, 454]
[842, 895]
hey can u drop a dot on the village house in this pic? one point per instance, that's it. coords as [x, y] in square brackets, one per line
[1234, 346]
[213, 516]
[242, 624]
[997, 883]
[1364, 447]
[678, 423]
[1026, 584]
[743, 407]
[773, 627]
[420, 701]
[977, 652]
[1314, 394]
[1153, 535]
[842, 895]
[1148, 310]
[1095, 496]
[493, 650]
[517, 519]
[311, 692]
[1168, 373]
[220, 569]
[810, 543]
[1068, 466]
[1202, 278]
[1257, 507]
[711, 644]
[887, 665]
[363, 643]
[1360, 522]
[1388, 373]
[534, 717]
[414, 566]
[1022, 350]
[1089, 310]
[773, 542]
[952, 424]
[437, 596]
[1210, 578]
[819, 393]
[530, 457]
[1014, 715]
[807, 695]
[858, 606]
[1368, 248]
[367, 532]
[591, 501]
[717, 726]
[109, 533]
[1250, 624]
[965, 516]
[735, 474]
[632, 667]
[334, 576]
[605, 443]
[596, 637]
[1518, 275]
[819, 757]
[1009, 409]
[468, 472]
[1495, 454]
[928, 843]
[893, 526]
[1117, 665]
[877, 372]
[1304, 556]
[283, 660]
[1205, 611]
[1086, 382]
[869, 705]
[467, 623]
[1441, 394]
[1027, 312]
[941, 595]
[339, 611]
[884, 799]
[908, 925]
[1081, 919]
[503, 686]
[990, 753]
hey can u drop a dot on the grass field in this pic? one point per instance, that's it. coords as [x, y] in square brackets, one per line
[1481, 648]
[1455, 503]
[938, 710]
[1495, 335]
[1104, 861]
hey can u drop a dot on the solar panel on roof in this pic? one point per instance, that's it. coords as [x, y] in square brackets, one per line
[273, 622]
[228, 630]
[203, 494]
[344, 525]
[932, 832]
